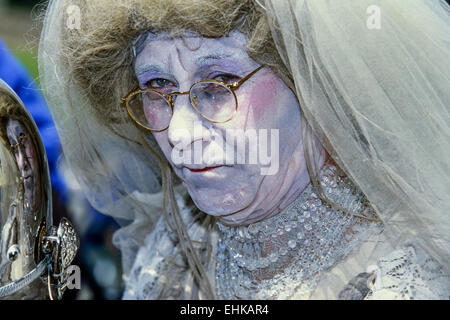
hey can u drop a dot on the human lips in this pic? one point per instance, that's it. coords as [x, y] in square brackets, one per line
[203, 169]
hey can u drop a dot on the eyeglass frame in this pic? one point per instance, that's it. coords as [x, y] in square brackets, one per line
[168, 97]
[20, 144]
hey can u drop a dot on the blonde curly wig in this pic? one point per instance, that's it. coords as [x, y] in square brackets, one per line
[100, 54]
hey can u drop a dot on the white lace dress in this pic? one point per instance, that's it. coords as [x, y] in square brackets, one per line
[308, 251]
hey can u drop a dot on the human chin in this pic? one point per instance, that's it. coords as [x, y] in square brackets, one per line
[235, 191]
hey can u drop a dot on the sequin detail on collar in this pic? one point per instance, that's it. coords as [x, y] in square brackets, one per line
[284, 256]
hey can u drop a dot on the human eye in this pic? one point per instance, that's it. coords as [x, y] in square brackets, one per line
[160, 84]
[227, 78]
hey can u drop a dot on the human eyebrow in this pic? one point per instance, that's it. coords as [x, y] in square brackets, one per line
[148, 67]
[204, 59]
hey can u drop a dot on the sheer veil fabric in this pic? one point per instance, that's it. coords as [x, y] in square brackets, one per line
[381, 98]
[119, 178]
[377, 97]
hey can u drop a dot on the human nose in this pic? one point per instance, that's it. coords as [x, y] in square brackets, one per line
[22, 161]
[186, 125]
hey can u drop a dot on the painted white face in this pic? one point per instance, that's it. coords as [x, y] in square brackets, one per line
[239, 193]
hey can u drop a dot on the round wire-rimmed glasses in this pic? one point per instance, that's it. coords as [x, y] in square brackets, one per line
[20, 144]
[213, 100]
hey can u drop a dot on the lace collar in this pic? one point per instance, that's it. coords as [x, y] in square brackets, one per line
[284, 256]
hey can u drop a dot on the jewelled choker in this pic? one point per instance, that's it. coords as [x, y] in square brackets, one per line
[283, 257]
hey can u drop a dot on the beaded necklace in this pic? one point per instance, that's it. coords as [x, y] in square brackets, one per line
[283, 257]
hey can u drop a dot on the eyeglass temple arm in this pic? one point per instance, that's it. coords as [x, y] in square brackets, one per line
[236, 85]
[123, 100]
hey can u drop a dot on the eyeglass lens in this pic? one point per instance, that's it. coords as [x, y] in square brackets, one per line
[213, 100]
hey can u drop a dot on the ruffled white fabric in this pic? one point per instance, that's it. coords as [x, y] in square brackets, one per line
[342, 264]
[406, 273]
[410, 273]
[160, 269]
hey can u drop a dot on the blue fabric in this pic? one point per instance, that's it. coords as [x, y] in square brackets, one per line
[15, 75]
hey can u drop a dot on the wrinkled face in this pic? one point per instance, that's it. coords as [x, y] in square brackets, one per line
[26, 157]
[239, 191]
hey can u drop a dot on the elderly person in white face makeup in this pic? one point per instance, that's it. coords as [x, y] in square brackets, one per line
[260, 149]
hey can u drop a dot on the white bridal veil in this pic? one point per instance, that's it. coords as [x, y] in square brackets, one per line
[372, 77]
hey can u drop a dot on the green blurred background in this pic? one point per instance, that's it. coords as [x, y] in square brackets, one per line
[20, 29]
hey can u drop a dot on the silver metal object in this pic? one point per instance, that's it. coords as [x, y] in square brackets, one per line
[34, 255]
